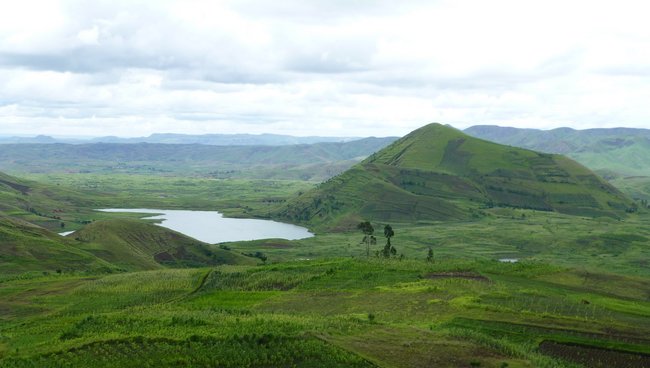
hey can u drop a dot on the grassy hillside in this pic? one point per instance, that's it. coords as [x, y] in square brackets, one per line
[305, 161]
[623, 151]
[104, 246]
[136, 245]
[440, 173]
[28, 209]
[637, 187]
[578, 294]
[45, 204]
[25, 247]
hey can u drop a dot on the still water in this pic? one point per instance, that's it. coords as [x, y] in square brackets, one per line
[212, 227]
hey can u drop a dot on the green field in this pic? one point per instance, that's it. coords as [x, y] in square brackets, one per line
[122, 292]
[86, 192]
[581, 282]
[330, 312]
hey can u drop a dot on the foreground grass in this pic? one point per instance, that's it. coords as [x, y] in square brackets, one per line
[331, 312]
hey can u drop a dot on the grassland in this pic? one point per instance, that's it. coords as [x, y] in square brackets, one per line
[588, 244]
[75, 196]
[579, 295]
[334, 312]
[440, 173]
[637, 187]
[136, 245]
[581, 283]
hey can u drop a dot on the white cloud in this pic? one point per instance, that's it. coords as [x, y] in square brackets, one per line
[89, 36]
[320, 67]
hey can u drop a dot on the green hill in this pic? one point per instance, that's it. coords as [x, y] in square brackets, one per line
[26, 247]
[137, 245]
[28, 209]
[44, 204]
[619, 151]
[440, 173]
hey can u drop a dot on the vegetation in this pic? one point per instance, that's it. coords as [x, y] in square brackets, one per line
[316, 161]
[439, 173]
[450, 313]
[135, 245]
[389, 250]
[368, 238]
[537, 263]
[73, 198]
[618, 152]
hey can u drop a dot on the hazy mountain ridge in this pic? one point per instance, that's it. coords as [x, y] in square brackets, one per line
[613, 151]
[173, 138]
[316, 161]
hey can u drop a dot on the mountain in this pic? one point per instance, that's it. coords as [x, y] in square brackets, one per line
[440, 173]
[613, 152]
[171, 138]
[225, 139]
[36, 139]
[306, 161]
[137, 245]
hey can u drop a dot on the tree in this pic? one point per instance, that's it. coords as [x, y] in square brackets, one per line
[368, 237]
[388, 233]
[389, 250]
[430, 255]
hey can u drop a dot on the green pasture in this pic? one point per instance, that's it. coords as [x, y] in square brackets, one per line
[333, 311]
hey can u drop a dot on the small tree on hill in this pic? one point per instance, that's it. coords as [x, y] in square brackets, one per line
[368, 237]
[430, 255]
[389, 250]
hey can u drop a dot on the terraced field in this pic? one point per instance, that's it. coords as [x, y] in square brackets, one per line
[334, 312]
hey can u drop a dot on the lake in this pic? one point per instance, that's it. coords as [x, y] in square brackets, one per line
[212, 227]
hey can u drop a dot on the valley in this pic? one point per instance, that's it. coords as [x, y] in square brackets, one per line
[121, 291]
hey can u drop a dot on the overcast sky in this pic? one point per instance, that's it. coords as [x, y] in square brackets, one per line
[331, 67]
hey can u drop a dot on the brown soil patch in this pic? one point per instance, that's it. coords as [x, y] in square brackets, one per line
[163, 257]
[595, 357]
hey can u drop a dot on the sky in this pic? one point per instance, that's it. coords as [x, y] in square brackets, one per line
[320, 67]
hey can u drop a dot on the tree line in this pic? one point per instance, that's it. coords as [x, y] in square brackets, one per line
[388, 251]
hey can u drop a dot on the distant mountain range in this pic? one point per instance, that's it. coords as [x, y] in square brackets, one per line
[169, 138]
[316, 161]
[611, 152]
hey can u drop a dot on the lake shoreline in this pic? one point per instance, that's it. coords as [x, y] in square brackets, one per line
[212, 227]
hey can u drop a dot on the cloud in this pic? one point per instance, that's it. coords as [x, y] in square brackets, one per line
[319, 67]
